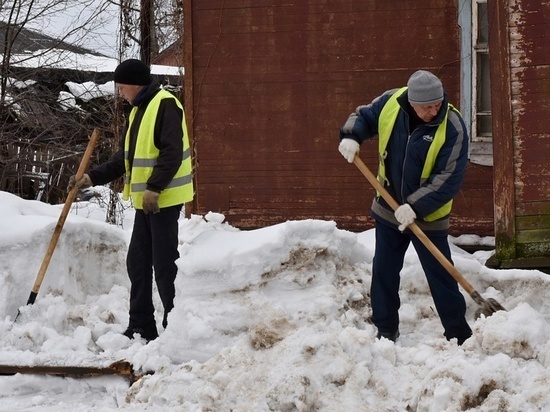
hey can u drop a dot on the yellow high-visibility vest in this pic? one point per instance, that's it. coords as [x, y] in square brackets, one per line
[386, 122]
[180, 189]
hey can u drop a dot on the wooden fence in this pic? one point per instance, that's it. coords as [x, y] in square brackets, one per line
[36, 170]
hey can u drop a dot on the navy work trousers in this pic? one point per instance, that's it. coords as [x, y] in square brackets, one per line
[391, 245]
[154, 244]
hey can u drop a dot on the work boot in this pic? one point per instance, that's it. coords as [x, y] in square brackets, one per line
[388, 335]
[462, 339]
[148, 333]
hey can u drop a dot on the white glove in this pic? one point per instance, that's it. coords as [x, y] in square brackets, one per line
[83, 183]
[404, 215]
[348, 148]
[150, 201]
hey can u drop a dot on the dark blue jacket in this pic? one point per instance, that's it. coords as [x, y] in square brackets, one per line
[406, 154]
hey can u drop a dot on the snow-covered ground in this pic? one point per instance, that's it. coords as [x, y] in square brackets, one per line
[274, 319]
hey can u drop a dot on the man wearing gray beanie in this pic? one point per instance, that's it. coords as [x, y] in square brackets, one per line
[423, 152]
[155, 161]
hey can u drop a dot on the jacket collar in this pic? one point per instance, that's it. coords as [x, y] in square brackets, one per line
[146, 93]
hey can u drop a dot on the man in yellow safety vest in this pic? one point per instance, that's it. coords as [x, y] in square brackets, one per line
[423, 154]
[155, 160]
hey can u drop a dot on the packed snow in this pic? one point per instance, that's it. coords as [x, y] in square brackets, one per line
[273, 319]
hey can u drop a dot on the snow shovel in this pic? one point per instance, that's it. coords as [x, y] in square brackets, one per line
[61, 221]
[486, 306]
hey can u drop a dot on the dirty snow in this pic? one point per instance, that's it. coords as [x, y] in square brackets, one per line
[274, 319]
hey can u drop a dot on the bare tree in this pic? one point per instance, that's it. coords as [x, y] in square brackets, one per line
[168, 22]
[40, 135]
[150, 26]
[43, 128]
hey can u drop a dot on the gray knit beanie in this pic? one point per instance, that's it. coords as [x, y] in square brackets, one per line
[424, 88]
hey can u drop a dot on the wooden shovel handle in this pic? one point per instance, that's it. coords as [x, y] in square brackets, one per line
[84, 163]
[414, 227]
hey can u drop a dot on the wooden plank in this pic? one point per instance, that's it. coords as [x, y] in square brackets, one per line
[533, 208]
[537, 262]
[121, 368]
[533, 236]
[189, 94]
[528, 12]
[502, 129]
[319, 6]
[530, 90]
[533, 222]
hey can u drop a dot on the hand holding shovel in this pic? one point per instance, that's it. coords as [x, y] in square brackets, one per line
[487, 306]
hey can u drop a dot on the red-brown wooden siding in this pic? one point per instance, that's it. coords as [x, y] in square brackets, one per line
[530, 85]
[269, 83]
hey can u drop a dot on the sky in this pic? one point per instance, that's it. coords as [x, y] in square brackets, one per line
[92, 24]
[273, 319]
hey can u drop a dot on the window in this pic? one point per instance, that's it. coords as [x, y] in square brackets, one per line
[476, 86]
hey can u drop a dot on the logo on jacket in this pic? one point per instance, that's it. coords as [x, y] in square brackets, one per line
[428, 138]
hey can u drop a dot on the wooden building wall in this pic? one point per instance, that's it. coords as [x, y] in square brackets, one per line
[269, 83]
[520, 58]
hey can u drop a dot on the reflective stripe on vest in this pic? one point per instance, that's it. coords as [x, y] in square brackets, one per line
[180, 188]
[386, 123]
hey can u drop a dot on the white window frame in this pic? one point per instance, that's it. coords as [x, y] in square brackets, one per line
[475, 87]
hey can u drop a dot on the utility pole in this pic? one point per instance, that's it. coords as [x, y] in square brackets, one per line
[146, 17]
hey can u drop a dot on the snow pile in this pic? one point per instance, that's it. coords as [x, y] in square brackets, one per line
[274, 319]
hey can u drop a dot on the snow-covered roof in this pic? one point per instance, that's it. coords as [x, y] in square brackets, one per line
[32, 49]
[65, 59]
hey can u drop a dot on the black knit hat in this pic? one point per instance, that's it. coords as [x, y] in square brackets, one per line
[133, 71]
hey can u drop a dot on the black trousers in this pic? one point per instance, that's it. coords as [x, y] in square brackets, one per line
[390, 249]
[153, 245]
